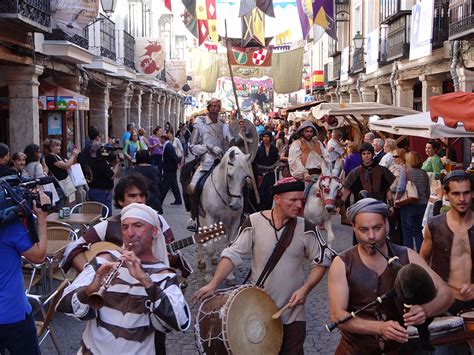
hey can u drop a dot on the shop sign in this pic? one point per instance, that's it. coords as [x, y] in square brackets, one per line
[83, 103]
[62, 103]
[50, 103]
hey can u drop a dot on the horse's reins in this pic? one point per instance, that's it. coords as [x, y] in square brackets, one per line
[227, 187]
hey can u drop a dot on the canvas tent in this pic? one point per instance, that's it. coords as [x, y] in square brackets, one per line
[454, 107]
[419, 125]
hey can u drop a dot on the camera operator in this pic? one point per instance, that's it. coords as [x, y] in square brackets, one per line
[17, 325]
[103, 174]
[5, 168]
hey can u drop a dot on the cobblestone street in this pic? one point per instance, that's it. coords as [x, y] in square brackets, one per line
[318, 340]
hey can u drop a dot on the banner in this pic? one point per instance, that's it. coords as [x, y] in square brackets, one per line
[149, 56]
[253, 29]
[72, 16]
[372, 48]
[206, 16]
[345, 63]
[176, 73]
[421, 29]
[251, 57]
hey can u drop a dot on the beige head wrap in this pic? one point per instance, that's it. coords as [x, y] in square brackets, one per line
[148, 215]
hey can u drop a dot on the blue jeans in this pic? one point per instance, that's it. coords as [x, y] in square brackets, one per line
[102, 196]
[19, 338]
[412, 218]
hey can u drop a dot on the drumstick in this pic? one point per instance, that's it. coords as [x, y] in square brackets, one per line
[281, 311]
[454, 287]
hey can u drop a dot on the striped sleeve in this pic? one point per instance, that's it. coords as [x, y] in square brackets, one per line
[168, 308]
[73, 302]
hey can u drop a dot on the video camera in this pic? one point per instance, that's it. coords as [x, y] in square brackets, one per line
[16, 200]
[107, 153]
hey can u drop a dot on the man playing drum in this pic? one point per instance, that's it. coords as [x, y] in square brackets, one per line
[285, 284]
[142, 298]
[448, 244]
[360, 274]
[306, 153]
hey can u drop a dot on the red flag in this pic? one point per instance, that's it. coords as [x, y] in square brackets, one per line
[168, 4]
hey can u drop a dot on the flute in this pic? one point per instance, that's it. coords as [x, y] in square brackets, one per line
[387, 295]
[96, 299]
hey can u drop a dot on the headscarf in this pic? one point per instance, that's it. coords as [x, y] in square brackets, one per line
[367, 205]
[286, 185]
[150, 216]
[305, 125]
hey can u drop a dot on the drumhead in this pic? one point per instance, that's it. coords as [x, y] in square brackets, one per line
[439, 325]
[468, 316]
[248, 326]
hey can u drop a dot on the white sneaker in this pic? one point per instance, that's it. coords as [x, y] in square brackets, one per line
[191, 225]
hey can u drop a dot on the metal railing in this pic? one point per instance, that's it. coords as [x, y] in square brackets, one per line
[125, 49]
[358, 63]
[33, 11]
[101, 34]
[461, 18]
[59, 35]
[440, 22]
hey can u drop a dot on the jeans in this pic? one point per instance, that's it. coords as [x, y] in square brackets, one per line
[102, 196]
[412, 218]
[19, 338]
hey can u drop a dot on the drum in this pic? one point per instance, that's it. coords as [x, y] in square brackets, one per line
[469, 324]
[238, 321]
[441, 329]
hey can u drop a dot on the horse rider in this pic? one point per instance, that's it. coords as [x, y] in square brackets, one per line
[307, 153]
[360, 275]
[209, 141]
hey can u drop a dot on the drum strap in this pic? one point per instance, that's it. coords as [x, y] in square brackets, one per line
[280, 247]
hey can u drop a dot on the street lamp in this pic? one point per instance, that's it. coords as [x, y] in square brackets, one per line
[108, 6]
[358, 41]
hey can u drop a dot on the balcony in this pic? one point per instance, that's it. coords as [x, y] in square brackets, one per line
[332, 48]
[440, 23]
[102, 43]
[125, 55]
[398, 39]
[72, 49]
[391, 10]
[461, 19]
[29, 15]
[358, 63]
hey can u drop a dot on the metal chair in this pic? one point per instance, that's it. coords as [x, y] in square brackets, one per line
[38, 304]
[91, 207]
[58, 233]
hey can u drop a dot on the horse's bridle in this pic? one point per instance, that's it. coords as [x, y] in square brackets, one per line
[229, 194]
[326, 189]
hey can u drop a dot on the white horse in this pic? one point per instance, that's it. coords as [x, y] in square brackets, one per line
[222, 196]
[321, 201]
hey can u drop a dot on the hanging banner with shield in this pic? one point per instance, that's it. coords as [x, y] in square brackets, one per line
[72, 16]
[149, 56]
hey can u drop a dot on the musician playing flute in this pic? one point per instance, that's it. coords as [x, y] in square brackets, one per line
[143, 298]
[361, 274]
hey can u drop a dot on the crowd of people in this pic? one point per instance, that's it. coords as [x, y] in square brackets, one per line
[391, 197]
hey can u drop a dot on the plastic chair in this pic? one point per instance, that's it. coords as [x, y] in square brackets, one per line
[38, 304]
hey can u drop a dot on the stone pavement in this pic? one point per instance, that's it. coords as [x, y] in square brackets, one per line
[318, 340]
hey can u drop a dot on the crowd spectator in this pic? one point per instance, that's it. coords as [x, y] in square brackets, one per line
[184, 135]
[170, 168]
[103, 175]
[178, 147]
[369, 138]
[412, 214]
[433, 164]
[378, 149]
[142, 138]
[19, 162]
[58, 167]
[5, 168]
[388, 148]
[281, 142]
[153, 177]
[335, 147]
[126, 135]
[156, 149]
[132, 146]
[353, 159]
[259, 126]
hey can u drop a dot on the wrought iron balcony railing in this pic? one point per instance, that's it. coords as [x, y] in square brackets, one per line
[59, 35]
[125, 49]
[33, 15]
[461, 19]
[101, 36]
[358, 60]
[440, 22]
[390, 10]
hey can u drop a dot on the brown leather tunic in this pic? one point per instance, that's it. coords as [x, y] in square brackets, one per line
[364, 287]
[442, 238]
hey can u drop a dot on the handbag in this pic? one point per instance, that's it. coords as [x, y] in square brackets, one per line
[76, 175]
[410, 196]
[68, 188]
[47, 187]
